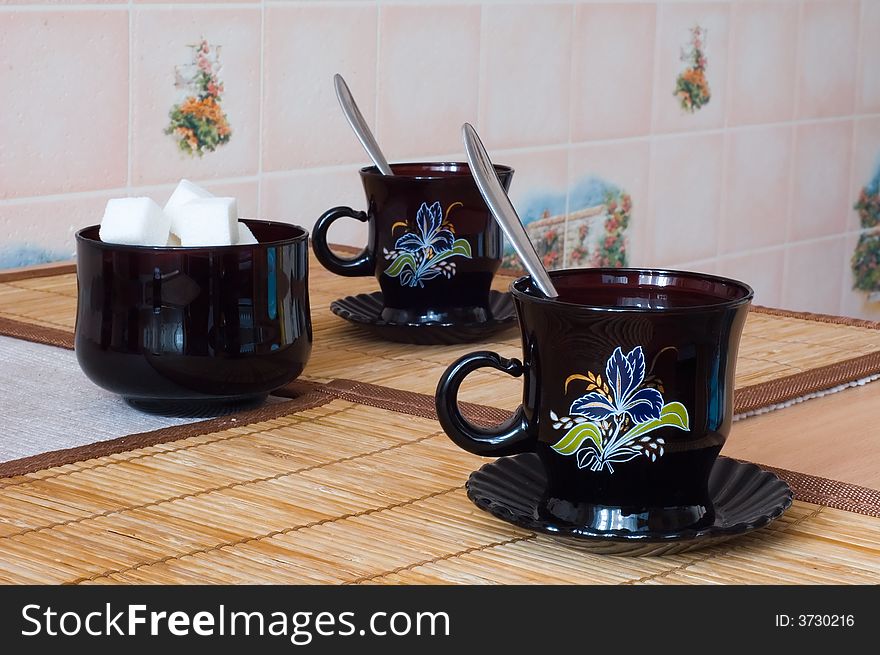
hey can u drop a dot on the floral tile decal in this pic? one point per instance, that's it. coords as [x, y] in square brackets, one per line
[692, 86]
[199, 124]
[591, 231]
[866, 258]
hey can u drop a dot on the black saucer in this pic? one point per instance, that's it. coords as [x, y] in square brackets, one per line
[365, 309]
[745, 497]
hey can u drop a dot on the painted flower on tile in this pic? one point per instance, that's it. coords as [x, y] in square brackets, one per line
[199, 124]
[592, 232]
[866, 258]
[613, 422]
[424, 252]
[692, 86]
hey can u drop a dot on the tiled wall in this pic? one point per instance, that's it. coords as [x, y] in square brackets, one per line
[759, 182]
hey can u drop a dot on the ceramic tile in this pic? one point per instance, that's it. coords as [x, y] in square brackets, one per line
[246, 193]
[866, 165]
[622, 166]
[165, 41]
[869, 58]
[304, 47]
[50, 224]
[538, 191]
[63, 130]
[828, 41]
[855, 302]
[428, 77]
[686, 197]
[302, 197]
[678, 51]
[709, 266]
[821, 179]
[526, 87]
[761, 270]
[762, 73]
[613, 50]
[58, 2]
[813, 276]
[755, 210]
[147, 2]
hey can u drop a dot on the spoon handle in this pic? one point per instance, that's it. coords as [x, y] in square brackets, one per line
[359, 125]
[503, 210]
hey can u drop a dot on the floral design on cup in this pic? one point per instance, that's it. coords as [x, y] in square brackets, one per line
[424, 253]
[692, 86]
[199, 123]
[612, 423]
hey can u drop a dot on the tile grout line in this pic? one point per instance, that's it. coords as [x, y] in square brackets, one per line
[649, 252]
[335, 168]
[129, 155]
[789, 215]
[260, 121]
[482, 64]
[846, 272]
[725, 138]
[860, 60]
[572, 18]
[377, 73]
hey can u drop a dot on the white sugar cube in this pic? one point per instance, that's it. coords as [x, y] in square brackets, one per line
[134, 221]
[208, 222]
[245, 236]
[185, 192]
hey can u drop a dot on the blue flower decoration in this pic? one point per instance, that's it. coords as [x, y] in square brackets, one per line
[625, 374]
[429, 234]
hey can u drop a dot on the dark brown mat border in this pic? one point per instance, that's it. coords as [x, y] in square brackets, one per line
[817, 318]
[755, 397]
[304, 395]
[806, 488]
[798, 385]
[36, 333]
[747, 399]
[40, 270]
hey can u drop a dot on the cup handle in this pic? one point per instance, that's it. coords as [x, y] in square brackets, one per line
[511, 437]
[360, 265]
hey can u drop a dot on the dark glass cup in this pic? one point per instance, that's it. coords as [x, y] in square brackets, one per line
[628, 394]
[432, 242]
[166, 326]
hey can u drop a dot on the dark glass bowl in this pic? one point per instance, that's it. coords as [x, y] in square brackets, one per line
[174, 326]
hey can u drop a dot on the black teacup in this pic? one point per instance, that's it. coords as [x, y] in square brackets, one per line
[433, 245]
[177, 328]
[628, 394]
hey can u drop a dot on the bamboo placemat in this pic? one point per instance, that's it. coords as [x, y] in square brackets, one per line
[784, 356]
[327, 489]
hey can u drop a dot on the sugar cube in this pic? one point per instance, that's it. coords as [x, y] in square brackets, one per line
[245, 236]
[208, 222]
[185, 192]
[134, 221]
